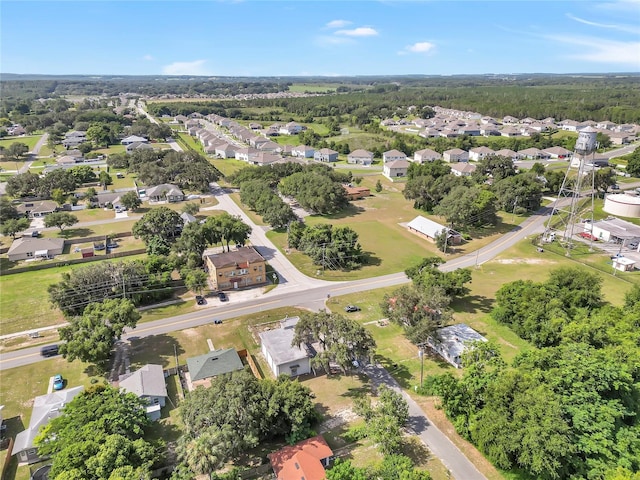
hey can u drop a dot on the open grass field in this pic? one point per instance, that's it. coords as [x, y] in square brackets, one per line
[186, 140]
[313, 87]
[227, 166]
[356, 140]
[111, 149]
[389, 245]
[28, 140]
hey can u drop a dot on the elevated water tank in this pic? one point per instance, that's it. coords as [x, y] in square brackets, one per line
[586, 142]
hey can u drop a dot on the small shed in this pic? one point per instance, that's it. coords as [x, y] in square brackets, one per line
[624, 264]
[451, 342]
[87, 252]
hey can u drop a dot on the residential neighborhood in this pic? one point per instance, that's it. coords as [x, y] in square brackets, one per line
[269, 293]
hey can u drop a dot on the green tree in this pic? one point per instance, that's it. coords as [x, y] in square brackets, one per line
[162, 223]
[343, 341]
[13, 226]
[23, 184]
[60, 220]
[344, 470]
[59, 196]
[191, 208]
[7, 210]
[100, 134]
[633, 163]
[196, 280]
[99, 435]
[603, 178]
[91, 337]
[378, 186]
[16, 151]
[105, 179]
[130, 200]
[226, 229]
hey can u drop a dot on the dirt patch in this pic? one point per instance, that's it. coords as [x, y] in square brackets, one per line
[191, 332]
[339, 418]
[528, 261]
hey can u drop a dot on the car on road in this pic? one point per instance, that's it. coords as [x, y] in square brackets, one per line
[200, 300]
[217, 321]
[49, 350]
[223, 296]
[58, 382]
[35, 233]
[615, 187]
[351, 308]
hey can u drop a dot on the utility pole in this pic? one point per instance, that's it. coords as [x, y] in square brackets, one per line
[515, 204]
[421, 355]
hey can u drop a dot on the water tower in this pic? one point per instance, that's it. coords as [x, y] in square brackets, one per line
[575, 198]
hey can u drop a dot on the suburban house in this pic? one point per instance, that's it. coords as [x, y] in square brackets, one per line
[430, 229]
[25, 248]
[133, 139]
[360, 157]
[290, 128]
[393, 155]
[463, 169]
[426, 155]
[45, 408]
[239, 268]
[558, 152]
[302, 151]
[455, 155]
[147, 383]
[132, 147]
[225, 151]
[395, 169]
[621, 138]
[356, 193]
[510, 120]
[510, 132]
[569, 125]
[203, 368]
[165, 192]
[325, 155]
[507, 153]
[37, 209]
[305, 460]
[187, 218]
[451, 342]
[533, 154]
[246, 154]
[282, 357]
[478, 153]
[105, 199]
[73, 139]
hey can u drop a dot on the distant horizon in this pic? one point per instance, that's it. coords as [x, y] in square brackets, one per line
[327, 77]
[318, 38]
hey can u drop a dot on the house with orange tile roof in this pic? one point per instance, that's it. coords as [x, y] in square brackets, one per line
[305, 460]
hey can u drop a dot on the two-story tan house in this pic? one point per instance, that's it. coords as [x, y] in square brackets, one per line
[239, 268]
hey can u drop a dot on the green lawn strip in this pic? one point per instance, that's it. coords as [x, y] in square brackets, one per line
[111, 149]
[92, 230]
[313, 87]
[227, 166]
[28, 140]
[255, 218]
[190, 141]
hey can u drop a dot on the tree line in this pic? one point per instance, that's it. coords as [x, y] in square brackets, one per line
[568, 408]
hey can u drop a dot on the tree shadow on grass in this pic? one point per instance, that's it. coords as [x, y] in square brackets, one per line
[157, 349]
[75, 232]
[398, 371]
[472, 304]
[371, 259]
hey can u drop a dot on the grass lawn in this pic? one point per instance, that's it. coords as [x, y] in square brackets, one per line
[313, 87]
[92, 230]
[111, 149]
[28, 140]
[356, 140]
[227, 166]
[188, 140]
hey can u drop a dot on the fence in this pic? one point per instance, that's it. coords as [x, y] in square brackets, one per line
[7, 459]
[44, 266]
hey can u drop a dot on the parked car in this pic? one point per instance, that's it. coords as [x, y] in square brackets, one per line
[99, 246]
[58, 382]
[35, 233]
[351, 308]
[588, 236]
[615, 187]
[223, 296]
[112, 244]
[217, 321]
[200, 300]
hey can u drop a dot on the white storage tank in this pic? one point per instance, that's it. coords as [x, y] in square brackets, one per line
[622, 205]
[586, 142]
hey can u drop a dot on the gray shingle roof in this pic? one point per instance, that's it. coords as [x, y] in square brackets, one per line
[278, 344]
[148, 381]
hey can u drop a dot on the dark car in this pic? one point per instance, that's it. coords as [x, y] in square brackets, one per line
[351, 308]
[615, 187]
[49, 351]
[217, 321]
[200, 300]
[223, 296]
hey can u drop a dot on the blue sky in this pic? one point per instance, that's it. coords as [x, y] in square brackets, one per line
[272, 38]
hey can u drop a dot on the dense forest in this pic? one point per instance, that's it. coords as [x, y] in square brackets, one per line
[604, 97]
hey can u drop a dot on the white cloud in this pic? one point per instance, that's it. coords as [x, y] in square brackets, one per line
[621, 28]
[338, 23]
[148, 58]
[358, 32]
[327, 40]
[197, 67]
[599, 50]
[418, 47]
